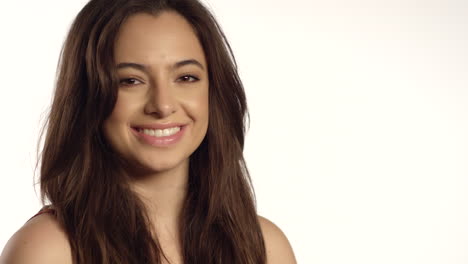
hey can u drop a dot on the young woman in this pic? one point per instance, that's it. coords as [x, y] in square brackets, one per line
[142, 160]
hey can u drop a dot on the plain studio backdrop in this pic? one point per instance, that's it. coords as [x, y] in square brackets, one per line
[358, 142]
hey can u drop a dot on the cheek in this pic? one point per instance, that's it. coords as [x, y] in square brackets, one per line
[126, 104]
[201, 107]
[120, 109]
[196, 104]
[119, 116]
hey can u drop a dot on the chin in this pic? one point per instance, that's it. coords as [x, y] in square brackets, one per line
[158, 165]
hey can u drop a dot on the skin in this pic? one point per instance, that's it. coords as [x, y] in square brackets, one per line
[158, 94]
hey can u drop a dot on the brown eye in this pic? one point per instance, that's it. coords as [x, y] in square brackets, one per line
[188, 78]
[129, 82]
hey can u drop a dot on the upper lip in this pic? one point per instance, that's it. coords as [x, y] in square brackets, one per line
[158, 126]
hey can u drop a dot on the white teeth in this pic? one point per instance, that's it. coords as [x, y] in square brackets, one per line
[160, 132]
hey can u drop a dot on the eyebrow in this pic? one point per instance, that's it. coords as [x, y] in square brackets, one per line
[145, 68]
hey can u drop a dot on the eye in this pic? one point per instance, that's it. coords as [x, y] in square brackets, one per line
[188, 78]
[129, 82]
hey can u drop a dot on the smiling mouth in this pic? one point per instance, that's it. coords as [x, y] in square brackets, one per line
[159, 132]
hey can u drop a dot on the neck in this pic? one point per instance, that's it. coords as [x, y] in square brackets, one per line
[163, 194]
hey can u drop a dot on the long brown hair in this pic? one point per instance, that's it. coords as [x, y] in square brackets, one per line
[81, 177]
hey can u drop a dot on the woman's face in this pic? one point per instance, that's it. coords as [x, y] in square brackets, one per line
[161, 113]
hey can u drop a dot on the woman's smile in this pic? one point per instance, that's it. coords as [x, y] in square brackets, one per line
[159, 137]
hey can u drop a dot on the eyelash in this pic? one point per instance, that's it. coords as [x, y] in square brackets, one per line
[190, 76]
[121, 82]
[195, 79]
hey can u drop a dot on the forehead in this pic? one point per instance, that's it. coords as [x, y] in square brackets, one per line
[155, 40]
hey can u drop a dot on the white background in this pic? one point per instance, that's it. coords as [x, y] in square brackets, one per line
[358, 142]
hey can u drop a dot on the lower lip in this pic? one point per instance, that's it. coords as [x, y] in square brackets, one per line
[159, 141]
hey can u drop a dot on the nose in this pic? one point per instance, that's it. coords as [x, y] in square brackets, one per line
[160, 101]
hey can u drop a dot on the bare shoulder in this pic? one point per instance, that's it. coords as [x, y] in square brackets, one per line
[278, 248]
[40, 240]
